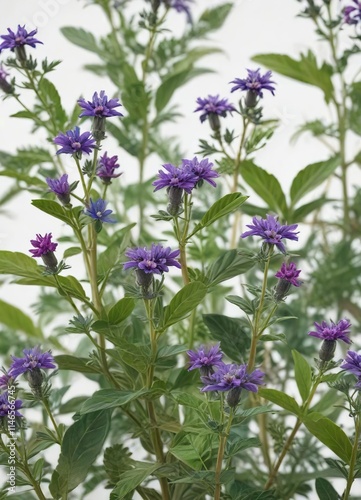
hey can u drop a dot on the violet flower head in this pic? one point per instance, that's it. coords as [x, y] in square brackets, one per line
[175, 177]
[33, 359]
[213, 105]
[202, 170]
[233, 376]
[106, 168]
[100, 106]
[97, 211]
[75, 143]
[19, 39]
[181, 6]
[333, 331]
[271, 231]
[7, 406]
[352, 13]
[255, 82]
[42, 245]
[6, 380]
[290, 273]
[154, 260]
[60, 187]
[352, 363]
[205, 359]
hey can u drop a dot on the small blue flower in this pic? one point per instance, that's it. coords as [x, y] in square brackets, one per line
[97, 211]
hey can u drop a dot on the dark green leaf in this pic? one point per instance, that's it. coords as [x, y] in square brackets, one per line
[325, 490]
[20, 176]
[53, 208]
[130, 479]
[183, 303]
[303, 374]
[15, 319]
[213, 19]
[234, 340]
[109, 398]
[69, 252]
[300, 213]
[82, 38]
[74, 363]
[227, 266]
[121, 310]
[281, 399]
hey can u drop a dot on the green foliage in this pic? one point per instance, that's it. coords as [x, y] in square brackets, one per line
[325, 490]
[231, 333]
[183, 303]
[303, 374]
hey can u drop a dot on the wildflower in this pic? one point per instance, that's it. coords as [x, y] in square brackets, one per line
[74, 143]
[99, 106]
[352, 13]
[154, 260]
[254, 85]
[213, 107]
[352, 363]
[333, 331]
[5, 86]
[202, 170]
[33, 359]
[16, 40]
[287, 275]
[106, 168]
[206, 359]
[97, 211]
[60, 187]
[7, 407]
[180, 6]
[44, 248]
[175, 177]
[271, 231]
[6, 380]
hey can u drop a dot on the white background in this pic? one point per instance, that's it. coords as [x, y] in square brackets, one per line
[254, 26]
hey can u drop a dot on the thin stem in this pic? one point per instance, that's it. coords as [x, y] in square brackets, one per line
[351, 470]
[221, 449]
[81, 176]
[50, 415]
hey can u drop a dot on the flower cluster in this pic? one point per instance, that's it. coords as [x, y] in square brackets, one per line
[352, 13]
[7, 407]
[271, 231]
[221, 377]
[212, 107]
[352, 364]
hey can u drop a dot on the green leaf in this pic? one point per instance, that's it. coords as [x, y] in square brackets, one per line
[305, 70]
[227, 266]
[330, 434]
[192, 449]
[325, 490]
[109, 398]
[28, 179]
[74, 363]
[213, 19]
[108, 259]
[281, 399]
[130, 479]
[300, 213]
[234, 340]
[192, 56]
[266, 186]
[121, 310]
[81, 38]
[135, 355]
[53, 208]
[303, 374]
[311, 177]
[69, 252]
[183, 303]
[82, 443]
[18, 264]
[47, 88]
[226, 205]
[15, 319]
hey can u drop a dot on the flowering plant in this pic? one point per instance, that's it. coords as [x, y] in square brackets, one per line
[170, 352]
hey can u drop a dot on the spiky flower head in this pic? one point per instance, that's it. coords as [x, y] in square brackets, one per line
[33, 359]
[42, 245]
[100, 106]
[206, 359]
[202, 170]
[153, 260]
[106, 168]
[352, 13]
[352, 363]
[19, 38]
[232, 376]
[332, 331]
[60, 187]
[75, 143]
[175, 177]
[255, 82]
[6, 380]
[8, 405]
[97, 211]
[271, 231]
[212, 106]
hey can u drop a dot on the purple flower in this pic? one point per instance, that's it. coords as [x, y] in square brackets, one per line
[60, 187]
[97, 211]
[206, 359]
[202, 170]
[42, 245]
[156, 259]
[233, 376]
[100, 106]
[352, 363]
[74, 143]
[175, 177]
[8, 404]
[290, 273]
[6, 380]
[352, 13]
[18, 39]
[180, 6]
[34, 359]
[4, 84]
[271, 231]
[255, 82]
[106, 168]
[332, 331]
[213, 105]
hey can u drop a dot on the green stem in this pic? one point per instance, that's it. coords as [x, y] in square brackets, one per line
[50, 415]
[222, 446]
[351, 470]
[81, 176]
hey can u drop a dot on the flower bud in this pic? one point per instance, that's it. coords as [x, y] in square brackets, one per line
[175, 197]
[35, 379]
[251, 99]
[233, 397]
[327, 350]
[98, 128]
[21, 54]
[145, 282]
[281, 290]
[50, 260]
[214, 121]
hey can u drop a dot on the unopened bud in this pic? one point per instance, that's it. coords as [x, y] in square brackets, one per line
[327, 350]
[35, 379]
[251, 99]
[233, 397]
[214, 121]
[50, 260]
[6, 86]
[98, 128]
[21, 54]
[175, 197]
[281, 289]
[145, 282]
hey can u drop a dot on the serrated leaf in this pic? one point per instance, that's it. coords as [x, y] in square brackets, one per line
[303, 374]
[109, 398]
[226, 205]
[266, 186]
[311, 177]
[281, 399]
[82, 443]
[183, 303]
